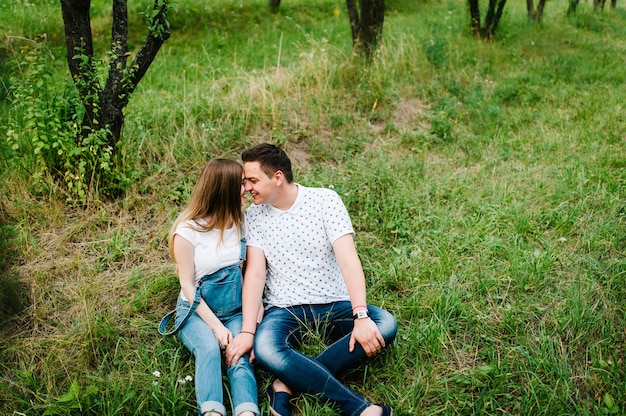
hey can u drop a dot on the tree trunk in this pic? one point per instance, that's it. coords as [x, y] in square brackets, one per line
[79, 45]
[274, 5]
[492, 18]
[494, 13]
[535, 15]
[372, 18]
[530, 9]
[104, 106]
[366, 26]
[540, 7]
[474, 16]
[112, 96]
[355, 23]
[573, 4]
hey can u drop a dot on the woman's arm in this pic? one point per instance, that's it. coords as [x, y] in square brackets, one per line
[184, 253]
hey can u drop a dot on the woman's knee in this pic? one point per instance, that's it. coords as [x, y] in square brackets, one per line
[200, 347]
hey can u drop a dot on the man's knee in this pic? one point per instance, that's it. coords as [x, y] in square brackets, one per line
[387, 325]
[264, 346]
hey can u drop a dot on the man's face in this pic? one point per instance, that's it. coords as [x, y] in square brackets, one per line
[260, 186]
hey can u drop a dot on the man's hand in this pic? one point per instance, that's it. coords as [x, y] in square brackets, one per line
[239, 346]
[366, 333]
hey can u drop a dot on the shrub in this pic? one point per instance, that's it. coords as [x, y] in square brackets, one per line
[44, 138]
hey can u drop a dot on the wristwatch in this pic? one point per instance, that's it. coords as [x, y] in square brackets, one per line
[361, 315]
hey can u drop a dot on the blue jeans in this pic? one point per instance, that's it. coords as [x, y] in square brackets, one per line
[198, 338]
[281, 331]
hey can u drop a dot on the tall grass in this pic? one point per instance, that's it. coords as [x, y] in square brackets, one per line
[486, 182]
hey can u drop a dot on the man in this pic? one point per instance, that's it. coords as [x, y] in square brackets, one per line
[301, 251]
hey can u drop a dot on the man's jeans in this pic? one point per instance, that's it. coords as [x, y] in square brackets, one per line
[281, 332]
[198, 337]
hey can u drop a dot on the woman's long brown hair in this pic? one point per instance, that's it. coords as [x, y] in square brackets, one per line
[216, 199]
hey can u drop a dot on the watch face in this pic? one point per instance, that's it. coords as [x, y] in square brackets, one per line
[361, 314]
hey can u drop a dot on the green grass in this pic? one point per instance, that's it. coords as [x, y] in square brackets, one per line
[486, 182]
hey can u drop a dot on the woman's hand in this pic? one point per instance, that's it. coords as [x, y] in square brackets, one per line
[223, 336]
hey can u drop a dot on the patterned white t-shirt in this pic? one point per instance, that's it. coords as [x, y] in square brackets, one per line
[301, 264]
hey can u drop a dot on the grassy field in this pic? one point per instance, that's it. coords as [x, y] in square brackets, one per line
[486, 182]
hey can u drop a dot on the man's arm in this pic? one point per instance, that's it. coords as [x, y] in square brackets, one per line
[365, 331]
[252, 293]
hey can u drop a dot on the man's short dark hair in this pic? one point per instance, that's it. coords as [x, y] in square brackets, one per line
[271, 158]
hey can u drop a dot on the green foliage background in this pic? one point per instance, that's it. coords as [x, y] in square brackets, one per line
[486, 182]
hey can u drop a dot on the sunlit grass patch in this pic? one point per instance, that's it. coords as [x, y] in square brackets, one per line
[485, 181]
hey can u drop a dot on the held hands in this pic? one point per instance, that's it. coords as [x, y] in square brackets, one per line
[239, 346]
[366, 333]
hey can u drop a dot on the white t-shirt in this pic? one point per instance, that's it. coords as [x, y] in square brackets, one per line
[210, 254]
[301, 264]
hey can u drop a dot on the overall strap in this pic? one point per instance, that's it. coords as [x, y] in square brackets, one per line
[242, 248]
[166, 319]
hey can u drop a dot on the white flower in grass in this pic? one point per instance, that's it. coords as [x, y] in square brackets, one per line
[156, 373]
[183, 381]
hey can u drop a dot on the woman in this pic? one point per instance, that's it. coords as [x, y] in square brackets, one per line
[208, 245]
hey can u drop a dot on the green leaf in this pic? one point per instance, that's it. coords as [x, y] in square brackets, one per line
[607, 400]
[71, 395]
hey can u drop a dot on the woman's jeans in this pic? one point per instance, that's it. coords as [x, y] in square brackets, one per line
[281, 332]
[223, 291]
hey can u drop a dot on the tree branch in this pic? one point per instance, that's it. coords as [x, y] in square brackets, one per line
[119, 51]
[158, 34]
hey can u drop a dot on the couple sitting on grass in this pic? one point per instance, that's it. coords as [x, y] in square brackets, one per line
[299, 252]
